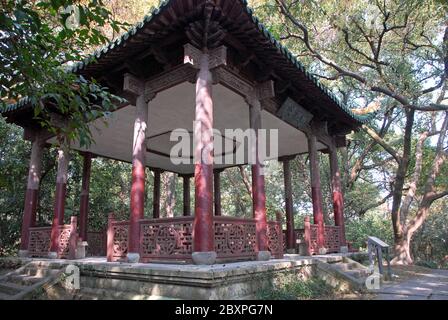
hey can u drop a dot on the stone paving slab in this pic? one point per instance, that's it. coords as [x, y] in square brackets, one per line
[430, 286]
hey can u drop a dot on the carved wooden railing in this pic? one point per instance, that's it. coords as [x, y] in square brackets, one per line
[332, 238]
[97, 243]
[117, 239]
[308, 236]
[235, 238]
[166, 239]
[40, 241]
[170, 239]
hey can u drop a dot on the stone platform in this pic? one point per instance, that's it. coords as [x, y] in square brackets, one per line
[241, 280]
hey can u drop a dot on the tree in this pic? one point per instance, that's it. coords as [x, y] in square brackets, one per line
[40, 43]
[391, 56]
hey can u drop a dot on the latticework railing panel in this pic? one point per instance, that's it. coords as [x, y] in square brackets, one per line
[166, 239]
[275, 239]
[235, 237]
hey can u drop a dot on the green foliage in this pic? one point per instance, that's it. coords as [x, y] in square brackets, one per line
[430, 246]
[372, 224]
[38, 45]
[13, 172]
[290, 288]
[427, 264]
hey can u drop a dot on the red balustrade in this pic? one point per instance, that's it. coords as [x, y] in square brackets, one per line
[308, 235]
[166, 239]
[117, 239]
[40, 241]
[170, 239]
[332, 238]
[235, 238]
[275, 239]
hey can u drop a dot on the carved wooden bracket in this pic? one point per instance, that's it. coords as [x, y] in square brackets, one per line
[132, 85]
[294, 114]
[232, 81]
[170, 79]
[137, 87]
[265, 90]
[319, 127]
[249, 91]
[217, 57]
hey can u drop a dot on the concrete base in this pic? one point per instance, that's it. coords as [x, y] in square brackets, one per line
[343, 249]
[81, 249]
[133, 257]
[52, 255]
[322, 250]
[263, 255]
[204, 258]
[23, 253]
[140, 281]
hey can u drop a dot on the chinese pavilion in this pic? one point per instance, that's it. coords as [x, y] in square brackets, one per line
[210, 61]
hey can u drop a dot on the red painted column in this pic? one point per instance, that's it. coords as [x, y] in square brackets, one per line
[217, 189]
[186, 195]
[32, 194]
[258, 185]
[203, 232]
[110, 238]
[156, 195]
[138, 179]
[85, 189]
[59, 201]
[290, 241]
[316, 192]
[338, 197]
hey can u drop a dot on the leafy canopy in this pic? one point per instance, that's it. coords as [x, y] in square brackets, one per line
[39, 41]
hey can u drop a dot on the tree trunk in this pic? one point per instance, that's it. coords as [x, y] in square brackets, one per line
[402, 247]
[397, 193]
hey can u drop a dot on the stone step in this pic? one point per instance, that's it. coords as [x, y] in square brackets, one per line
[39, 271]
[24, 280]
[11, 288]
[358, 274]
[347, 266]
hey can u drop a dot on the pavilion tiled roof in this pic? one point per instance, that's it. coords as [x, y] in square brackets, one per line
[123, 40]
